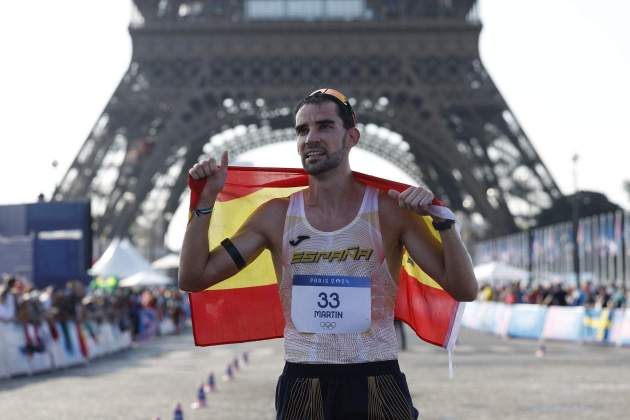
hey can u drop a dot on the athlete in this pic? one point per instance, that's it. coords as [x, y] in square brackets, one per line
[337, 249]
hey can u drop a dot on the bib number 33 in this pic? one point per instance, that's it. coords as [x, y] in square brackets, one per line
[330, 300]
[331, 304]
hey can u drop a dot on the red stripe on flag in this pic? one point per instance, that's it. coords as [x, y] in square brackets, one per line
[431, 322]
[236, 315]
[244, 180]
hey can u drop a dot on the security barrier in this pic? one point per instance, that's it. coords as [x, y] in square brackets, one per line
[27, 349]
[570, 323]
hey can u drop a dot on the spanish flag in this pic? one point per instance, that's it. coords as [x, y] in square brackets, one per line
[246, 307]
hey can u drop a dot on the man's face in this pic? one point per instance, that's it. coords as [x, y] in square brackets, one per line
[321, 137]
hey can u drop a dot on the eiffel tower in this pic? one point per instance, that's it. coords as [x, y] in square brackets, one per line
[224, 74]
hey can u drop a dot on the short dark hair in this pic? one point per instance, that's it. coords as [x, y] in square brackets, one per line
[346, 113]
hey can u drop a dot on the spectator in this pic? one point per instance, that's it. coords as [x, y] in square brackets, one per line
[8, 300]
[557, 295]
[486, 293]
[618, 299]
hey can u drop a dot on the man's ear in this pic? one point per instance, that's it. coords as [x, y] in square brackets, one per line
[354, 135]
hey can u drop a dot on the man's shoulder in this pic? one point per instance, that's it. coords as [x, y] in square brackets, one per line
[389, 210]
[278, 203]
[269, 218]
[274, 209]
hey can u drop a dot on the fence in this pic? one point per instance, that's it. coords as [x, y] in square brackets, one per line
[27, 349]
[571, 323]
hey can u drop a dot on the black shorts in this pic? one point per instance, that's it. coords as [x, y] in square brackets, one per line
[361, 391]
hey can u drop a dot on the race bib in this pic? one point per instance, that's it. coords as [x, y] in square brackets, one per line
[331, 304]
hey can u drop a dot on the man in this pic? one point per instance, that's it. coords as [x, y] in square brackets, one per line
[335, 235]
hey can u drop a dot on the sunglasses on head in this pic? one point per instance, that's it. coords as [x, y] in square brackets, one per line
[338, 97]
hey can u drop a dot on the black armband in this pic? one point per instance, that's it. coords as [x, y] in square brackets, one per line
[443, 225]
[236, 256]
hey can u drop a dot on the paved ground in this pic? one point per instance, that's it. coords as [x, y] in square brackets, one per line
[494, 379]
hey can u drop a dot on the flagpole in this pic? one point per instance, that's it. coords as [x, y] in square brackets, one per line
[575, 221]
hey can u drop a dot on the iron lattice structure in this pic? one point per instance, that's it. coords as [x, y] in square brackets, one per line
[237, 67]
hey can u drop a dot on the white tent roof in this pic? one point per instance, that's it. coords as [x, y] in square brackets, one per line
[499, 272]
[146, 278]
[120, 259]
[166, 262]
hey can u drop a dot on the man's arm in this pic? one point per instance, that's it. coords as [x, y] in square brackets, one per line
[198, 268]
[450, 264]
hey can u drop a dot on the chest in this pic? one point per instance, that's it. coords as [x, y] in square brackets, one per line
[328, 220]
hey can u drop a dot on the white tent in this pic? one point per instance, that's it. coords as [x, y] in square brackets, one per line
[167, 262]
[120, 259]
[500, 273]
[146, 278]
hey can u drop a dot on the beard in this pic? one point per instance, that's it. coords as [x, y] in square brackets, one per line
[325, 162]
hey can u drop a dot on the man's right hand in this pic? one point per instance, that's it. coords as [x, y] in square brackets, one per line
[215, 175]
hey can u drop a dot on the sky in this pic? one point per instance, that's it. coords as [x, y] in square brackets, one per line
[561, 65]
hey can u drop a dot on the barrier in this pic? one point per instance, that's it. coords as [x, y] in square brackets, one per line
[502, 317]
[571, 323]
[36, 349]
[76, 351]
[526, 321]
[487, 316]
[16, 361]
[471, 315]
[4, 368]
[564, 323]
[620, 328]
[55, 345]
[33, 348]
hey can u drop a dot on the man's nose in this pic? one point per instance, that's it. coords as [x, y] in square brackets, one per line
[311, 137]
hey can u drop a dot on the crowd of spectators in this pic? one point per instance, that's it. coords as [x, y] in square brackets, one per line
[139, 311]
[587, 295]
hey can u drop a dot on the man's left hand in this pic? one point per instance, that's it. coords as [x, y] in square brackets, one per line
[417, 199]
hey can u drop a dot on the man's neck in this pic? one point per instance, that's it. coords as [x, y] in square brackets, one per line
[333, 190]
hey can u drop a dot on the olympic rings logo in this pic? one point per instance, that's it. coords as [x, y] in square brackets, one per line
[328, 325]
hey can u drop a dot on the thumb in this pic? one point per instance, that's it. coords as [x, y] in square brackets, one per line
[224, 160]
[393, 194]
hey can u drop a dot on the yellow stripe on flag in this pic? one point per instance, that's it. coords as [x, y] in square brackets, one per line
[227, 217]
[414, 269]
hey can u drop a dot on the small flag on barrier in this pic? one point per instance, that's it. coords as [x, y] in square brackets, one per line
[596, 325]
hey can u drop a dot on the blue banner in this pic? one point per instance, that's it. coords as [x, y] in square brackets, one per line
[527, 321]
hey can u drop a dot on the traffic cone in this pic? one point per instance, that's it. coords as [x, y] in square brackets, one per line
[178, 414]
[229, 374]
[210, 386]
[201, 399]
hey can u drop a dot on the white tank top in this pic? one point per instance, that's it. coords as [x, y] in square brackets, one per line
[310, 255]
